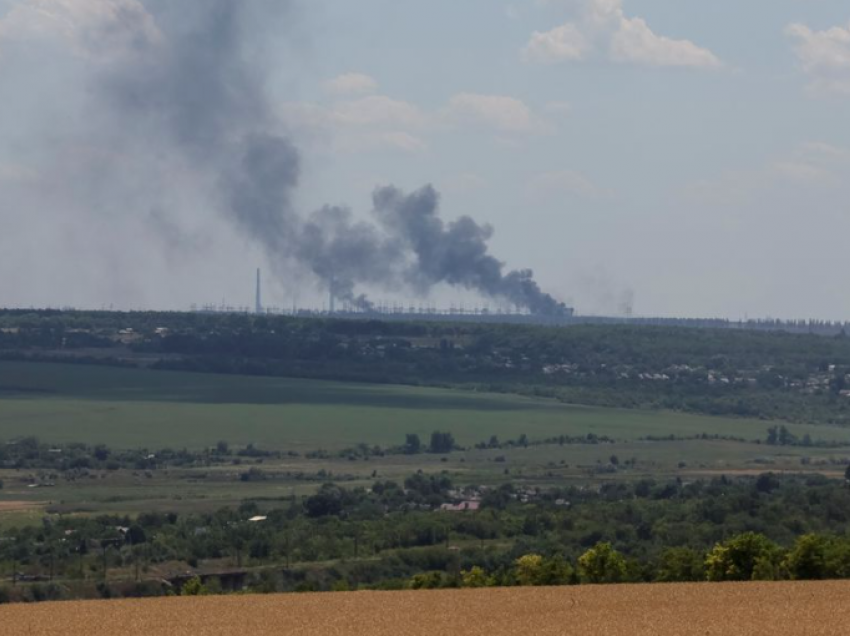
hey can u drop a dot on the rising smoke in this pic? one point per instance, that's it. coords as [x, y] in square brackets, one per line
[200, 91]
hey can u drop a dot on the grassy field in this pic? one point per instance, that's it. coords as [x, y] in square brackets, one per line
[127, 408]
[783, 609]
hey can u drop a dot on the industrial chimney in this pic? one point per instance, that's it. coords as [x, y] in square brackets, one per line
[259, 306]
[332, 296]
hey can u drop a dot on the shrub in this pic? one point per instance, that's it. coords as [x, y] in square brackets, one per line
[194, 587]
[746, 557]
[602, 564]
[678, 565]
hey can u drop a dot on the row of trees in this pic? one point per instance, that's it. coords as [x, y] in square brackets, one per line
[769, 527]
[746, 557]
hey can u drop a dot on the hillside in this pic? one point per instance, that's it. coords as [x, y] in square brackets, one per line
[770, 375]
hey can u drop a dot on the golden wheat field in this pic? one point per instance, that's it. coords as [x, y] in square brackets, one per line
[795, 609]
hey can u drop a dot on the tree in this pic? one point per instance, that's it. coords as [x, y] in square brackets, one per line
[194, 587]
[327, 502]
[746, 557]
[412, 444]
[807, 559]
[767, 483]
[528, 569]
[475, 577]
[679, 565]
[602, 564]
[442, 443]
[773, 435]
[557, 571]
[427, 581]
[136, 535]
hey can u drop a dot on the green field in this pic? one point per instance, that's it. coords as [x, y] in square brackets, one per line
[129, 408]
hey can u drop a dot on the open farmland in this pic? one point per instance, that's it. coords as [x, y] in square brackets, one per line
[787, 609]
[130, 408]
[134, 409]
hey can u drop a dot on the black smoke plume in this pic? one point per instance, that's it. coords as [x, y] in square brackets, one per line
[200, 91]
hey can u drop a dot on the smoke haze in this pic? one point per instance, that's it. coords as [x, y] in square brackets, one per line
[184, 85]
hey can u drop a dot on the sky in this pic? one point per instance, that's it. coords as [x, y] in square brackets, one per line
[686, 158]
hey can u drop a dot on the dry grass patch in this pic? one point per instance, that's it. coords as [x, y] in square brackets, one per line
[785, 609]
[20, 506]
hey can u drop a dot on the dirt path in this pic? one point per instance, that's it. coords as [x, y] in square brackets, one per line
[785, 609]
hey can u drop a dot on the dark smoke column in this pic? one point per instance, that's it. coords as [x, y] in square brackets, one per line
[454, 253]
[198, 92]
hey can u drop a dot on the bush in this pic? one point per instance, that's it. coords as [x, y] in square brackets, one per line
[602, 564]
[427, 581]
[747, 557]
[194, 587]
[40, 593]
[680, 565]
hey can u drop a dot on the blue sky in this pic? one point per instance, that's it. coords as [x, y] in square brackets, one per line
[689, 157]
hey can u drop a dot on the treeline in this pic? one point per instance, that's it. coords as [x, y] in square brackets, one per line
[746, 557]
[32, 453]
[720, 372]
[394, 535]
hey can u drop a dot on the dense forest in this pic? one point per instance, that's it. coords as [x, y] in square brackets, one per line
[772, 375]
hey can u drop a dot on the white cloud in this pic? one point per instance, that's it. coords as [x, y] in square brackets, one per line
[799, 171]
[814, 162]
[402, 141]
[378, 110]
[824, 149]
[464, 182]
[635, 42]
[563, 182]
[561, 44]
[372, 122]
[821, 50]
[813, 167]
[352, 84]
[380, 121]
[95, 29]
[824, 56]
[601, 26]
[505, 114]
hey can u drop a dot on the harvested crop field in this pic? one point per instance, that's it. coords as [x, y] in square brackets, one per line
[18, 506]
[792, 609]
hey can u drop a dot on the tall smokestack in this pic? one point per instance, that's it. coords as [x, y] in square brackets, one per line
[259, 305]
